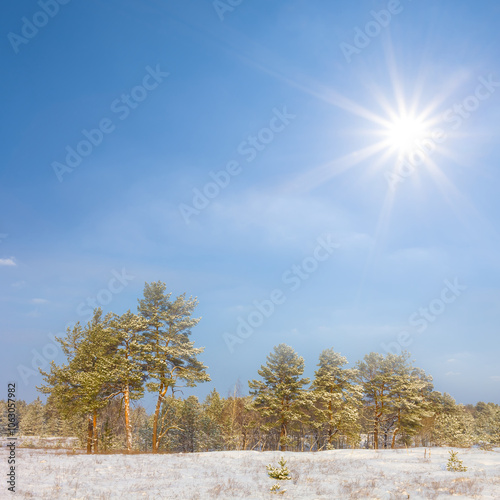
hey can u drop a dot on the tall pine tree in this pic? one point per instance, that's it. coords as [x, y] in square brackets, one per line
[166, 351]
[397, 396]
[280, 397]
[84, 385]
[127, 372]
[337, 397]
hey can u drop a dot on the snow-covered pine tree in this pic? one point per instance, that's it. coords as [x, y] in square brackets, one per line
[191, 438]
[82, 386]
[212, 422]
[280, 397]
[487, 424]
[454, 428]
[280, 473]
[397, 396]
[53, 422]
[411, 391]
[33, 421]
[142, 425]
[454, 464]
[376, 382]
[166, 351]
[337, 397]
[241, 421]
[127, 374]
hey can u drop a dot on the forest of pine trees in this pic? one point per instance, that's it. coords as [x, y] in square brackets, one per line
[382, 402]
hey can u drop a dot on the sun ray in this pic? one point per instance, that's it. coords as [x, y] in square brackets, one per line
[381, 231]
[461, 205]
[318, 175]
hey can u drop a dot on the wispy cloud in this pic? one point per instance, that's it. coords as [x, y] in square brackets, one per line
[39, 301]
[418, 254]
[452, 374]
[8, 262]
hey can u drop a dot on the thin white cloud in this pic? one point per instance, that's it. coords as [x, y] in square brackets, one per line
[39, 301]
[8, 262]
[452, 374]
[495, 378]
[455, 357]
[417, 254]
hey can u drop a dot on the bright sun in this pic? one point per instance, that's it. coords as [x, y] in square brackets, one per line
[404, 133]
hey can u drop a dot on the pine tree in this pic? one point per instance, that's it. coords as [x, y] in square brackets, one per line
[454, 464]
[487, 424]
[53, 421]
[127, 373]
[454, 428]
[191, 437]
[212, 422]
[166, 351]
[143, 428]
[397, 396]
[84, 385]
[33, 421]
[280, 473]
[337, 397]
[376, 389]
[240, 420]
[411, 392]
[172, 423]
[280, 397]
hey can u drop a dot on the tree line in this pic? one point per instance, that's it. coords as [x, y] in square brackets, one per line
[384, 401]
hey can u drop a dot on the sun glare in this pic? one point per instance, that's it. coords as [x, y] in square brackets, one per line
[405, 133]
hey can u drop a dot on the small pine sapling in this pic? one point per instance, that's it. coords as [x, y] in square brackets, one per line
[280, 473]
[454, 464]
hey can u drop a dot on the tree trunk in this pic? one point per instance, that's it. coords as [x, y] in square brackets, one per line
[393, 444]
[282, 435]
[375, 433]
[161, 394]
[90, 434]
[128, 425]
[244, 444]
[94, 422]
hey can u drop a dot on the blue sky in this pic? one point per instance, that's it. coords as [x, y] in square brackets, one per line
[299, 110]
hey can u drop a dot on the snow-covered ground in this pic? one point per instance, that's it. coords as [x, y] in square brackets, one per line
[338, 474]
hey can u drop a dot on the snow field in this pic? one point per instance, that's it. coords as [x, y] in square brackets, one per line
[336, 474]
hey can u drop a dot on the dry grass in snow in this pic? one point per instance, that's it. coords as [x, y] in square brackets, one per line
[337, 474]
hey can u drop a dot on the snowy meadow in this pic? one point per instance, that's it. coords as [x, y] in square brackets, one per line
[336, 474]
